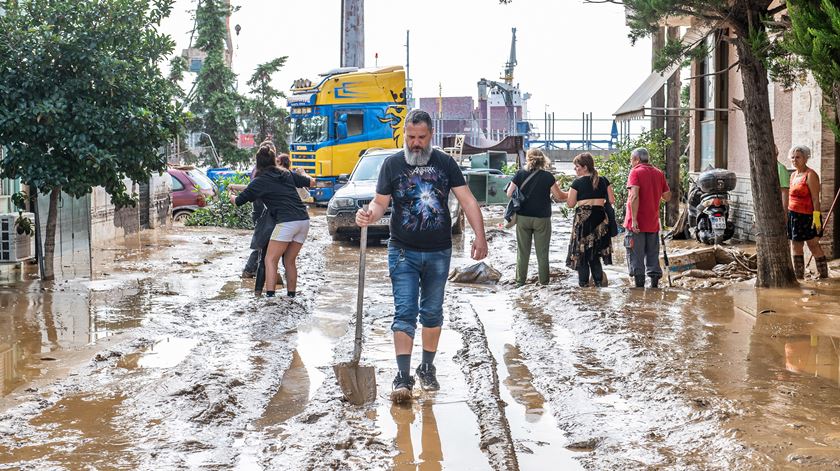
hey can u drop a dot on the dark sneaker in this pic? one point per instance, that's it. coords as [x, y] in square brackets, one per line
[401, 390]
[654, 282]
[640, 281]
[428, 380]
[248, 274]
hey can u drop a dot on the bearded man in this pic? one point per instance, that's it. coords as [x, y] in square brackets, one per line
[419, 179]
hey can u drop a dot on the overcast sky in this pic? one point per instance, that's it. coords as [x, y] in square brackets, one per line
[573, 57]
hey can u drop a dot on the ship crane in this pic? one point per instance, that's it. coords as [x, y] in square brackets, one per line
[511, 63]
[506, 88]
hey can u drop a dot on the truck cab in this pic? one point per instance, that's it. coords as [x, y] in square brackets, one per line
[337, 120]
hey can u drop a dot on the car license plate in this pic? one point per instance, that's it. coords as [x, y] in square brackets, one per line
[718, 223]
[386, 221]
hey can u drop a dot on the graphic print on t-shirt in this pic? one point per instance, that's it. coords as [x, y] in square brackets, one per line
[421, 196]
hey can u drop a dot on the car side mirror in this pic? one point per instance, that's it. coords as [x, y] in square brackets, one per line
[343, 178]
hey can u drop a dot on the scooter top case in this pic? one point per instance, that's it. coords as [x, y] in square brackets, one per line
[717, 180]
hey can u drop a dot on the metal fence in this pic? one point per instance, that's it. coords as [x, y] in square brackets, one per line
[550, 132]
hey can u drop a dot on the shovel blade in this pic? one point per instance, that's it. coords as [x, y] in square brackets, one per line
[358, 383]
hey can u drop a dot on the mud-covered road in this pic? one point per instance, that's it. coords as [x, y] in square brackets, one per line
[163, 359]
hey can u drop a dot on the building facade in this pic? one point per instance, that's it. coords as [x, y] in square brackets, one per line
[718, 138]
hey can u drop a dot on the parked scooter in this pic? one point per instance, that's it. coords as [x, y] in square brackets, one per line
[710, 217]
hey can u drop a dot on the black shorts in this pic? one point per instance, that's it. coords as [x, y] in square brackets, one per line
[800, 227]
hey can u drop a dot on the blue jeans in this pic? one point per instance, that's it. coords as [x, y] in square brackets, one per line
[418, 280]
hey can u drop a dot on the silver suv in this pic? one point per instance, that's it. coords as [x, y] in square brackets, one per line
[360, 188]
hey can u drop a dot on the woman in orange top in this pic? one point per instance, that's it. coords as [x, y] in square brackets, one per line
[804, 219]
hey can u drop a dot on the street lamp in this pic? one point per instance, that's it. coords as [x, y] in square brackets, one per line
[213, 147]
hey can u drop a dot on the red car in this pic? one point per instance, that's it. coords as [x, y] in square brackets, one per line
[190, 190]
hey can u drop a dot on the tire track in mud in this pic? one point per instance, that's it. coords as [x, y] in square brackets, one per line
[617, 371]
[479, 367]
[330, 433]
[622, 386]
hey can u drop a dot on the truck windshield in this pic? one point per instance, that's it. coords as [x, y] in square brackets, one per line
[311, 129]
[368, 167]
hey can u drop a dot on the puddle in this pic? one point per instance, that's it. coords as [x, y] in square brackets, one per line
[82, 435]
[167, 352]
[315, 341]
[537, 438]
[421, 444]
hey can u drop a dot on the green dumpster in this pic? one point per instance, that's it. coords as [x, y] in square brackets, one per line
[487, 187]
[491, 159]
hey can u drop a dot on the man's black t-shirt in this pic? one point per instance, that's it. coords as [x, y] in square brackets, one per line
[538, 190]
[583, 186]
[420, 218]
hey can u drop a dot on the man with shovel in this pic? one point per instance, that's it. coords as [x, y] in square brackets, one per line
[418, 180]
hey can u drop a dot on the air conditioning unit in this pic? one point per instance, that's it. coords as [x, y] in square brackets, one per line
[15, 247]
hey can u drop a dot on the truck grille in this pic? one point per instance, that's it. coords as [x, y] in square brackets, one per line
[361, 203]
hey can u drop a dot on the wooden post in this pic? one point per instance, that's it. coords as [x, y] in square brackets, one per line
[672, 131]
[657, 102]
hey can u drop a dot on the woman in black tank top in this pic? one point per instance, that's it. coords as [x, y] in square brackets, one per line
[590, 242]
[533, 221]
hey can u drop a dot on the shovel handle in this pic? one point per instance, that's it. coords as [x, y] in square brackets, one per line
[360, 295]
[665, 256]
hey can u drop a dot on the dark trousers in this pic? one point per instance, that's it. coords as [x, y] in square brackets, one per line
[253, 259]
[259, 282]
[643, 257]
[589, 263]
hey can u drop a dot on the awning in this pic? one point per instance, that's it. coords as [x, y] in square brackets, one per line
[634, 107]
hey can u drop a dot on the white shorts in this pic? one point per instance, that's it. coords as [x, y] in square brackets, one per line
[292, 231]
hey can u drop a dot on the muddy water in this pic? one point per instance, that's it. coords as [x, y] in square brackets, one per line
[538, 440]
[163, 360]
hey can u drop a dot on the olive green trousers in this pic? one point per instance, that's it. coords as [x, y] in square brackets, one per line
[530, 229]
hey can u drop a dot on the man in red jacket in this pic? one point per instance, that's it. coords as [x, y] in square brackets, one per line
[646, 187]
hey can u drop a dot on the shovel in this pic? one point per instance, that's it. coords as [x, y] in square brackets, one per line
[358, 383]
[665, 256]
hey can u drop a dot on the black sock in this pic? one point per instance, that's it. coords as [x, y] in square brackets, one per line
[291, 294]
[404, 363]
[428, 357]
[269, 294]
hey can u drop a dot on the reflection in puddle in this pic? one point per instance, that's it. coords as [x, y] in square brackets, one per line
[291, 399]
[9, 361]
[420, 443]
[813, 355]
[165, 353]
[315, 341]
[430, 454]
[519, 383]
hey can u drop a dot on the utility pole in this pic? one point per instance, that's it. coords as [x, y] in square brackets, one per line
[409, 96]
[353, 33]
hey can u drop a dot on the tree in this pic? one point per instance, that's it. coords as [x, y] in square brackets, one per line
[747, 23]
[82, 100]
[216, 104]
[268, 118]
[814, 40]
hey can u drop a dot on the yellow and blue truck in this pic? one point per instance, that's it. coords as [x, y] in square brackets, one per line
[335, 121]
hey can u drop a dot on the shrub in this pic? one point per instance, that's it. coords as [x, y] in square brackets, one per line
[220, 212]
[616, 166]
